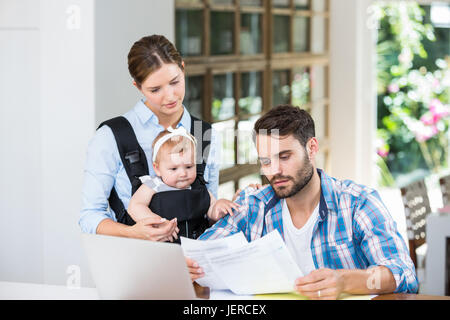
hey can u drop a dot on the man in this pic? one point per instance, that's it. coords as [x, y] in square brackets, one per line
[340, 233]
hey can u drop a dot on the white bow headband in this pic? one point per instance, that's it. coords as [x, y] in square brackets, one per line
[180, 131]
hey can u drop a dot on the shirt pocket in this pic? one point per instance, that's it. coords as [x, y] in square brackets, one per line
[342, 254]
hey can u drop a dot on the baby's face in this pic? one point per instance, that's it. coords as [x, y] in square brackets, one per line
[177, 170]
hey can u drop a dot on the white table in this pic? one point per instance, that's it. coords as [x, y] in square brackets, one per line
[33, 291]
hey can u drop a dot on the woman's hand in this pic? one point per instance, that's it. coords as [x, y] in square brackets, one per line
[174, 234]
[154, 228]
[220, 209]
[194, 270]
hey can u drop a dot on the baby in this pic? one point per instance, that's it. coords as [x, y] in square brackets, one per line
[177, 193]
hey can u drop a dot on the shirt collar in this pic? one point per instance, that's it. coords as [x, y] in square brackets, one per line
[145, 114]
[268, 196]
[185, 120]
[327, 195]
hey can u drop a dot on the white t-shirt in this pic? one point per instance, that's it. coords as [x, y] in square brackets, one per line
[298, 241]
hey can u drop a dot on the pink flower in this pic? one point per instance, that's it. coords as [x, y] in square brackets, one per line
[393, 88]
[438, 110]
[428, 119]
[435, 83]
[426, 132]
[382, 152]
[382, 147]
[434, 105]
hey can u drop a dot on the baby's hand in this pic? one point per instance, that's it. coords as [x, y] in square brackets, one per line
[252, 185]
[221, 208]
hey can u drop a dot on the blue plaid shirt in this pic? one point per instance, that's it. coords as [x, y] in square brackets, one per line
[354, 229]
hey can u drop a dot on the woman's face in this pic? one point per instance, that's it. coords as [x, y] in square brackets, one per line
[164, 90]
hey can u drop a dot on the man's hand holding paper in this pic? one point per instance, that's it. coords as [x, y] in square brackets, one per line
[196, 251]
[262, 266]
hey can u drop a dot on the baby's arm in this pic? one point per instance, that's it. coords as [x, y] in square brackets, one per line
[211, 205]
[219, 208]
[138, 207]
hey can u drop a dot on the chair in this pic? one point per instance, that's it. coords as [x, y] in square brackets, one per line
[445, 190]
[417, 207]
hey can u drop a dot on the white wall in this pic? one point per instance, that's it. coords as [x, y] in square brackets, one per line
[117, 26]
[21, 232]
[60, 75]
[352, 91]
[67, 119]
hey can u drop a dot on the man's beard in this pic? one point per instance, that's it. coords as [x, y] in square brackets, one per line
[304, 175]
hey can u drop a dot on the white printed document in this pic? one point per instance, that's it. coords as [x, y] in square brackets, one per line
[198, 249]
[262, 266]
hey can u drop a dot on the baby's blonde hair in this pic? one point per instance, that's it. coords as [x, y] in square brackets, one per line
[176, 144]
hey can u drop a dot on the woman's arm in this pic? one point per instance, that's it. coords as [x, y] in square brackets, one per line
[101, 167]
[113, 228]
[152, 228]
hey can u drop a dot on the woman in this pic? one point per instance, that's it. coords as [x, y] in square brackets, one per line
[158, 73]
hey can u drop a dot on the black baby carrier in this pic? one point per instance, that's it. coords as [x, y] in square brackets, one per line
[188, 206]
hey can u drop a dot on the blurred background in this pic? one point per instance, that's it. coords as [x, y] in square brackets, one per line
[374, 76]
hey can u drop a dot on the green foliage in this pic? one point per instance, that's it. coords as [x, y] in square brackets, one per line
[413, 110]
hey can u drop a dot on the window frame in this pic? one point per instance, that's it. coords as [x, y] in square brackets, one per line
[266, 62]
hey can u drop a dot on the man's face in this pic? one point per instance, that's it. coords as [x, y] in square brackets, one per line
[285, 163]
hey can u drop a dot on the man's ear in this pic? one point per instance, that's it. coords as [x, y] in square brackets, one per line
[312, 147]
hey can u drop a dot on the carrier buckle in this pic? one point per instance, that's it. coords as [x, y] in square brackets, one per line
[132, 156]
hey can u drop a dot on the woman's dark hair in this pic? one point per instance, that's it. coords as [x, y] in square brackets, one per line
[148, 55]
[284, 120]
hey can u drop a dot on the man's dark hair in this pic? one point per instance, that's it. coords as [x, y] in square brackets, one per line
[284, 120]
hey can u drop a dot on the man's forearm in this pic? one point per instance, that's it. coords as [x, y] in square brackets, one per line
[375, 280]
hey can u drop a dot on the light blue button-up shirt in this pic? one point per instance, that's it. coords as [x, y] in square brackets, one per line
[104, 169]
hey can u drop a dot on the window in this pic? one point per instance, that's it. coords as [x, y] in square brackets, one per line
[243, 57]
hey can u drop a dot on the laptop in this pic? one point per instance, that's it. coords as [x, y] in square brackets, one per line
[124, 268]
